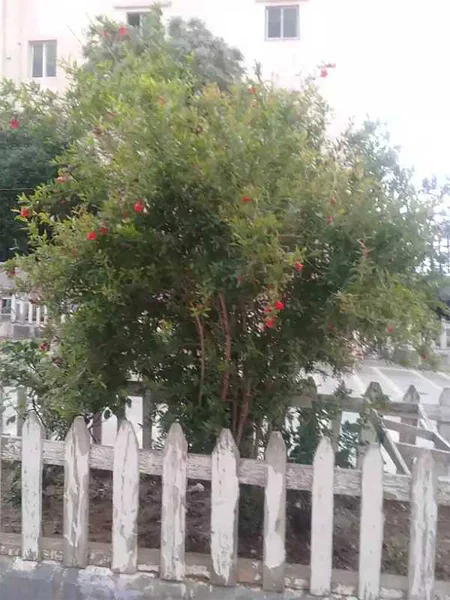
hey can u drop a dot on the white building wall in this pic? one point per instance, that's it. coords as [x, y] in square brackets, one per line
[240, 22]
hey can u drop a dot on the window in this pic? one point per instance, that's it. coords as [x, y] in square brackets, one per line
[136, 19]
[43, 59]
[5, 306]
[282, 22]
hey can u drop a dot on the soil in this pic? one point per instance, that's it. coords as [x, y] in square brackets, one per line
[346, 524]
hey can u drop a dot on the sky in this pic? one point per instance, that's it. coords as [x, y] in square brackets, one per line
[393, 64]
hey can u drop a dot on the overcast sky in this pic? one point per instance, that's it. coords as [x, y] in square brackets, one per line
[393, 63]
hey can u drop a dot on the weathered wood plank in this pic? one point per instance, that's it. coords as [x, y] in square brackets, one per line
[422, 542]
[322, 519]
[125, 500]
[76, 495]
[32, 463]
[371, 525]
[410, 452]
[411, 397]
[409, 429]
[224, 510]
[368, 433]
[275, 515]
[173, 514]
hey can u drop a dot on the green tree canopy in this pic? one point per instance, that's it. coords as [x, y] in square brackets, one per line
[222, 244]
[31, 136]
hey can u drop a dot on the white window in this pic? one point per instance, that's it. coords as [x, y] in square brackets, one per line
[136, 19]
[43, 59]
[282, 23]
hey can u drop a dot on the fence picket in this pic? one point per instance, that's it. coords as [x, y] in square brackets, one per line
[275, 515]
[224, 510]
[322, 519]
[411, 397]
[76, 495]
[371, 525]
[173, 515]
[422, 539]
[32, 463]
[368, 435]
[125, 500]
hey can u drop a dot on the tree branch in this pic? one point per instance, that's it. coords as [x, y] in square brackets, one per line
[227, 332]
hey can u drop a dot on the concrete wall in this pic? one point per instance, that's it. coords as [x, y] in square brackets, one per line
[240, 22]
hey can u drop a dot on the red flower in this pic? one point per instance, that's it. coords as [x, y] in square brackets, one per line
[123, 31]
[252, 90]
[390, 329]
[103, 230]
[246, 199]
[91, 236]
[298, 267]
[24, 212]
[323, 73]
[270, 323]
[14, 123]
[279, 305]
[329, 219]
[62, 179]
[138, 206]
[44, 347]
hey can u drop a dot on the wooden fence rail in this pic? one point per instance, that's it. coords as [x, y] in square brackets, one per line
[226, 471]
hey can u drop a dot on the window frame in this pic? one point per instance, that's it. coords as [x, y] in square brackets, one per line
[282, 8]
[142, 14]
[45, 43]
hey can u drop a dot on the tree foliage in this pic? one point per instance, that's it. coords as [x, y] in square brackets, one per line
[31, 136]
[221, 243]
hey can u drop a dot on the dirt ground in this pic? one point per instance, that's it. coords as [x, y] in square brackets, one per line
[346, 526]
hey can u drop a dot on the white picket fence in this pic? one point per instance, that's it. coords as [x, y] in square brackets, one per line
[226, 471]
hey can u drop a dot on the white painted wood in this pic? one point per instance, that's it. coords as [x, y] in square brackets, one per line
[30, 313]
[32, 463]
[411, 397]
[38, 315]
[125, 500]
[224, 510]
[368, 434]
[444, 401]
[275, 515]
[173, 514]
[422, 542]
[322, 519]
[1, 452]
[76, 495]
[371, 525]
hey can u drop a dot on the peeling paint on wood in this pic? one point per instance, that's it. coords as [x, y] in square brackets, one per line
[125, 500]
[322, 519]
[32, 447]
[275, 515]
[76, 495]
[224, 510]
[411, 397]
[422, 541]
[173, 513]
[371, 525]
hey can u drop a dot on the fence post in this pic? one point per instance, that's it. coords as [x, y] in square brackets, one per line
[322, 519]
[411, 397]
[96, 428]
[76, 495]
[275, 515]
[173, 514]
[32, 447]
[125, 500]
[443, 336]
[224, 510]
[422, 541]
[371, 525]
[368, 435]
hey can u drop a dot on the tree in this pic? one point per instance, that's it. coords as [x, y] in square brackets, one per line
[221, 245]
[31, 136]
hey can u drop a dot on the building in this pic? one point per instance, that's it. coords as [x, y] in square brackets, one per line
[36, 35]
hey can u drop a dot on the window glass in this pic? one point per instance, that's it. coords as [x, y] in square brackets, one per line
[37, 49]
[134, 19]
[290, 22]
[50, 61]
[274, 22]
